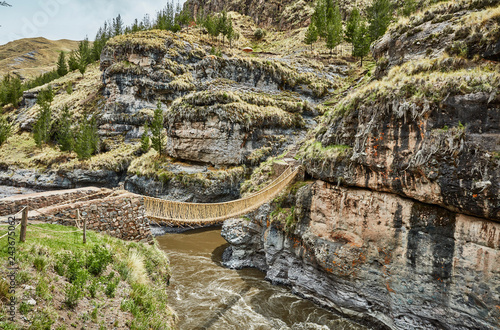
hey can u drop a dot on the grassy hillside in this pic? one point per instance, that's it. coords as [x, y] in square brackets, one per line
[107, 283]
[32, 56]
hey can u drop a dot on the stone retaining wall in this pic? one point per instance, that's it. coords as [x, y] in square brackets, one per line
[120, 216]
[14, 204]
[116, 213]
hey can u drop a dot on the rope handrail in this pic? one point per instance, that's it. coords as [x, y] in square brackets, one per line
[9, 231]
[182, 212]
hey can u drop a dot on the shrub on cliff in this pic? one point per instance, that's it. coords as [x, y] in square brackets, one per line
[5, 129]
[87, 139]
[157, 139]
[259, 34]
[41, 130]
[65, 136]
[10, 90]
[145, 141]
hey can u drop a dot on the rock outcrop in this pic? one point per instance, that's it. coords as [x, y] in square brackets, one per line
[282, 14]
[399, 221]
[377, 257]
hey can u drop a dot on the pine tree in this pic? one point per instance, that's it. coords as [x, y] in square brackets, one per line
[145, 141]
[65, 136]
[73, 62]
[184, 17]
[100, 41]
[42, 127]
[361, 41]
[87, 138]
[211, 25]
[83, 55]
[5, 129]
[62, 68]
[222, 25]
[11, 90]
[311, 35]
[157, 141]
[231, 34]
[351, 25]
[320, 17]
[117, 26]
[379, 18]
[334, 28]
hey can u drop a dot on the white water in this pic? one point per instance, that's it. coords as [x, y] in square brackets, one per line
[207, 296]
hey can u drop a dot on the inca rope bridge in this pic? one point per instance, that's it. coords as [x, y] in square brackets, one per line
[179, 213]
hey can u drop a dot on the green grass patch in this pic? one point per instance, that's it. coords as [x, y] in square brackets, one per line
[64, 271]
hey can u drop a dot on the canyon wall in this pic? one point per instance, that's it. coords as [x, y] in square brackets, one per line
[378, 257]
[398, 225]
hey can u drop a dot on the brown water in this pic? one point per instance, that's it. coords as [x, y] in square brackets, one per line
[209, 296]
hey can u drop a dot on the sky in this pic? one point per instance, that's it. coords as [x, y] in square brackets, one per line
[68, 19]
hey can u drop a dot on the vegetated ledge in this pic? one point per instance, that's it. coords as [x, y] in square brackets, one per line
[63, 283]
[248, 111]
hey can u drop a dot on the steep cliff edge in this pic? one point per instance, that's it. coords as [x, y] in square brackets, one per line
[223, 115]
[399, 220]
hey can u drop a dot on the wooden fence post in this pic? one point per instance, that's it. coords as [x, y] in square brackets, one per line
[84, 226]
[24, 224]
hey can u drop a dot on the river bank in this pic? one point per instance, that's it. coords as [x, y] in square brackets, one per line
[62, 283]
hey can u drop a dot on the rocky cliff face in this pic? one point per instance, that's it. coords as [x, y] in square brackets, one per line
[282, 14]
[222, 115]
[220, 111]
[377, 257]
[400, 222]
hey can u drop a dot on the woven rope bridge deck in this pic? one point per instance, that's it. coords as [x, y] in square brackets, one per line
[179, 213]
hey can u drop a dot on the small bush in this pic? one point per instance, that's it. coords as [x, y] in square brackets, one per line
[216, 52]
[60, 267]
[43, 320]
[4, 290]
[93, 287]
[5, 130]
[98, 260]
[112, 284]
[40, 263]
[259, 34]
[69, 88]
[123, 270]
[73, 294]
[24, 308]
[22, 277]
[42, 289]
[76, 272]
[94, 314]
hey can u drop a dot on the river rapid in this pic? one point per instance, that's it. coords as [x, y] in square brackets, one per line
[209, 296]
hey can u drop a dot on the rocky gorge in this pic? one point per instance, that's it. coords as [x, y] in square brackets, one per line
[395, 218]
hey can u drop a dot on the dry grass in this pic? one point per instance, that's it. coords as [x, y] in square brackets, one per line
[85, 91]
[440, 9]
[135, 264]
[20, 151]
[159, 168]
[416, 82]
[248, 110]
[14, 58]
